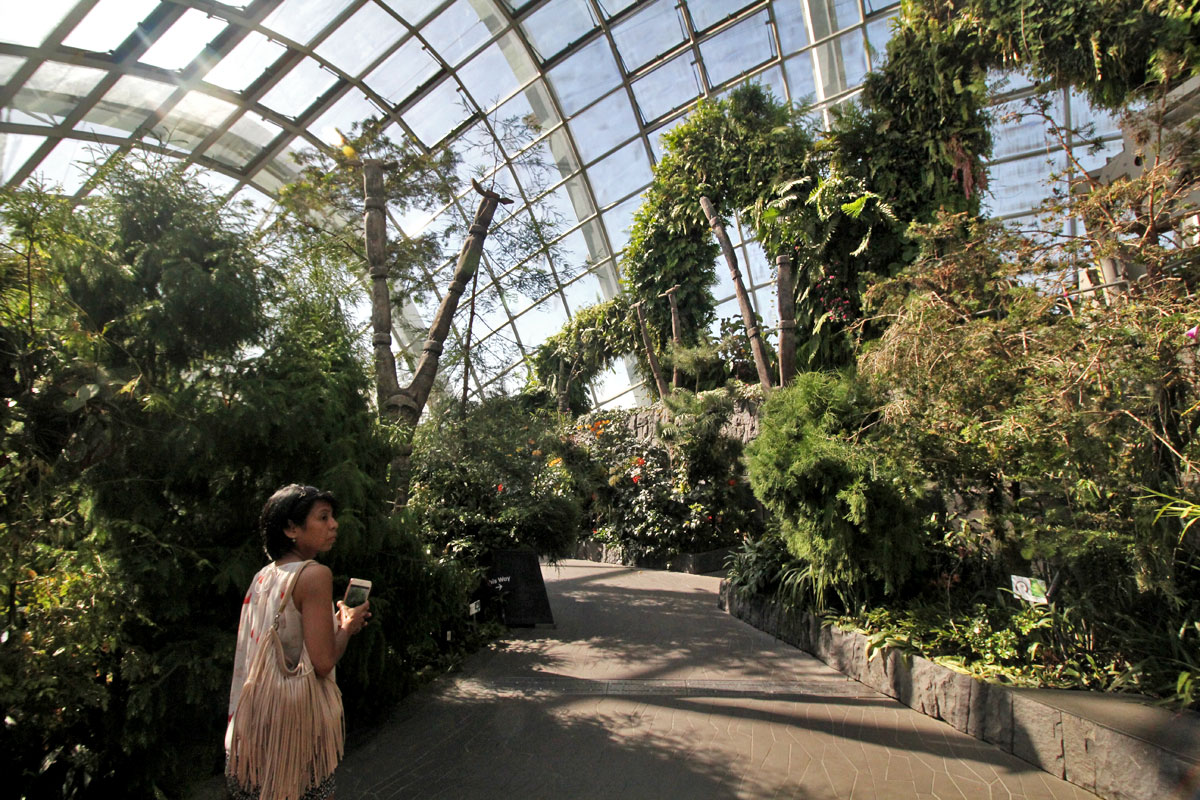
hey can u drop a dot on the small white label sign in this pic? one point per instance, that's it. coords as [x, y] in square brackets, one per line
[1032, 590]
[473, 608]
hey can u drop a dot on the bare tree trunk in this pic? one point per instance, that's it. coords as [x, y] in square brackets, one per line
[676, 337]
[653, 359]
[403, 407]
[785, 287]
[756, 345]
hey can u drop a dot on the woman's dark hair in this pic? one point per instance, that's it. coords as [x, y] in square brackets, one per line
[288, 505]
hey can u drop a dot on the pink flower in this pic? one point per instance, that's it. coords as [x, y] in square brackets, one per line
[1193, 332]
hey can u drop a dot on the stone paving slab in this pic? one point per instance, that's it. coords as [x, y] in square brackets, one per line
[645, 689]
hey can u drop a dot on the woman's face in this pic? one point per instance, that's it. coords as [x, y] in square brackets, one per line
[318, 533]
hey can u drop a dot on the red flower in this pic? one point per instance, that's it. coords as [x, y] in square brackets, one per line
[500, 487]
[637, 478]
[641, 461]
[733, 481]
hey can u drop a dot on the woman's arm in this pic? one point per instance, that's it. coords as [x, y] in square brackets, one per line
[324, 641]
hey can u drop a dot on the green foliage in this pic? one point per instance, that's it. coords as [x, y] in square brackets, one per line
[160, 379]
[1110, 50]
[495, 476]
[845, 509]
[567, 362]
[732, 151]
[683, 493]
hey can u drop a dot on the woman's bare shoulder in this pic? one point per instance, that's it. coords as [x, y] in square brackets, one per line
[314, 578]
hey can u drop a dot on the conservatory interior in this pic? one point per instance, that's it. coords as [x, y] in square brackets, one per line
[877, 315]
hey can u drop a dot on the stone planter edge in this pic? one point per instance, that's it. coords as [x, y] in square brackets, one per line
[1110, 763]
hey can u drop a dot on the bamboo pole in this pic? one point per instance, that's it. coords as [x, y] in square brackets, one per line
[785, 287]
[655, 369]
[676, 335]
[756, 345]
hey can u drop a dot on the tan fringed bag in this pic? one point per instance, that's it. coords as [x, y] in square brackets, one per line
[288, 728]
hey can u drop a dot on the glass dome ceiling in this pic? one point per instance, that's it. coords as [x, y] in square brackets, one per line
[235, 88]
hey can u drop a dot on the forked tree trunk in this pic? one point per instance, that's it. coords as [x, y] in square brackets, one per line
[403, 407]
[655, 369]
[756, 345]
[785, 287]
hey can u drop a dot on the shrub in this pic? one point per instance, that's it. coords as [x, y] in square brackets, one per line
[845, 509]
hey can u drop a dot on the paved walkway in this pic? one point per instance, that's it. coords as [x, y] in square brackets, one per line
[645, 689]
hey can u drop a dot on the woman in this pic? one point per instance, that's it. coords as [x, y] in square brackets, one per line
[297, 524]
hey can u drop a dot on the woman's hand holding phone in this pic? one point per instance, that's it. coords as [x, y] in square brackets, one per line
[353, 618]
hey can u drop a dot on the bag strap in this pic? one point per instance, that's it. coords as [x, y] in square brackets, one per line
[287, 595]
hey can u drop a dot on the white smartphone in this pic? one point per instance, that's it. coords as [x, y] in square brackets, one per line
[357, 592]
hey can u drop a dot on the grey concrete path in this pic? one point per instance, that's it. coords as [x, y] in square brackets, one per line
[645, 689]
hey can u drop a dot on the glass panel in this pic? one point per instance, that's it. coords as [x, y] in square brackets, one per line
[573, 252]
[244, 140]
[585, 76]
[541, 106]
[9, 66]
[593, 234]
[191, 120]
[109, 23]
[843, 63]
[542, 321]
[30, 23]
[649, 32]
[298, 89]
[15, 150]
[1018, 186]
[610, 8]
[184, 40]
[245, 62]
[625, 171]
[563, 152]
[437, 113]
[706, 13]
[1016, 128]
[558, 23]
[411, 11]
[618, 221]
[791, 22]
[403, 71]
[801, 80]
[69, 164]
[667, 88]
[831, 16]
[489, 78]
[128, 103]
[218, 183]
[361, 39]
[878, 5]
[478, 155]
[583, 292]
[53, 91]
[581, 200]
[459, 31]
[604, 126]
[879, 31]
[737, 50]
[301, 20]
[1092, 122]
[353, 107]
[536, 169]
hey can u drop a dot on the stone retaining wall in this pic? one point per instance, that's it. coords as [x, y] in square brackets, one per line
[692, 563]
[1031, 724]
